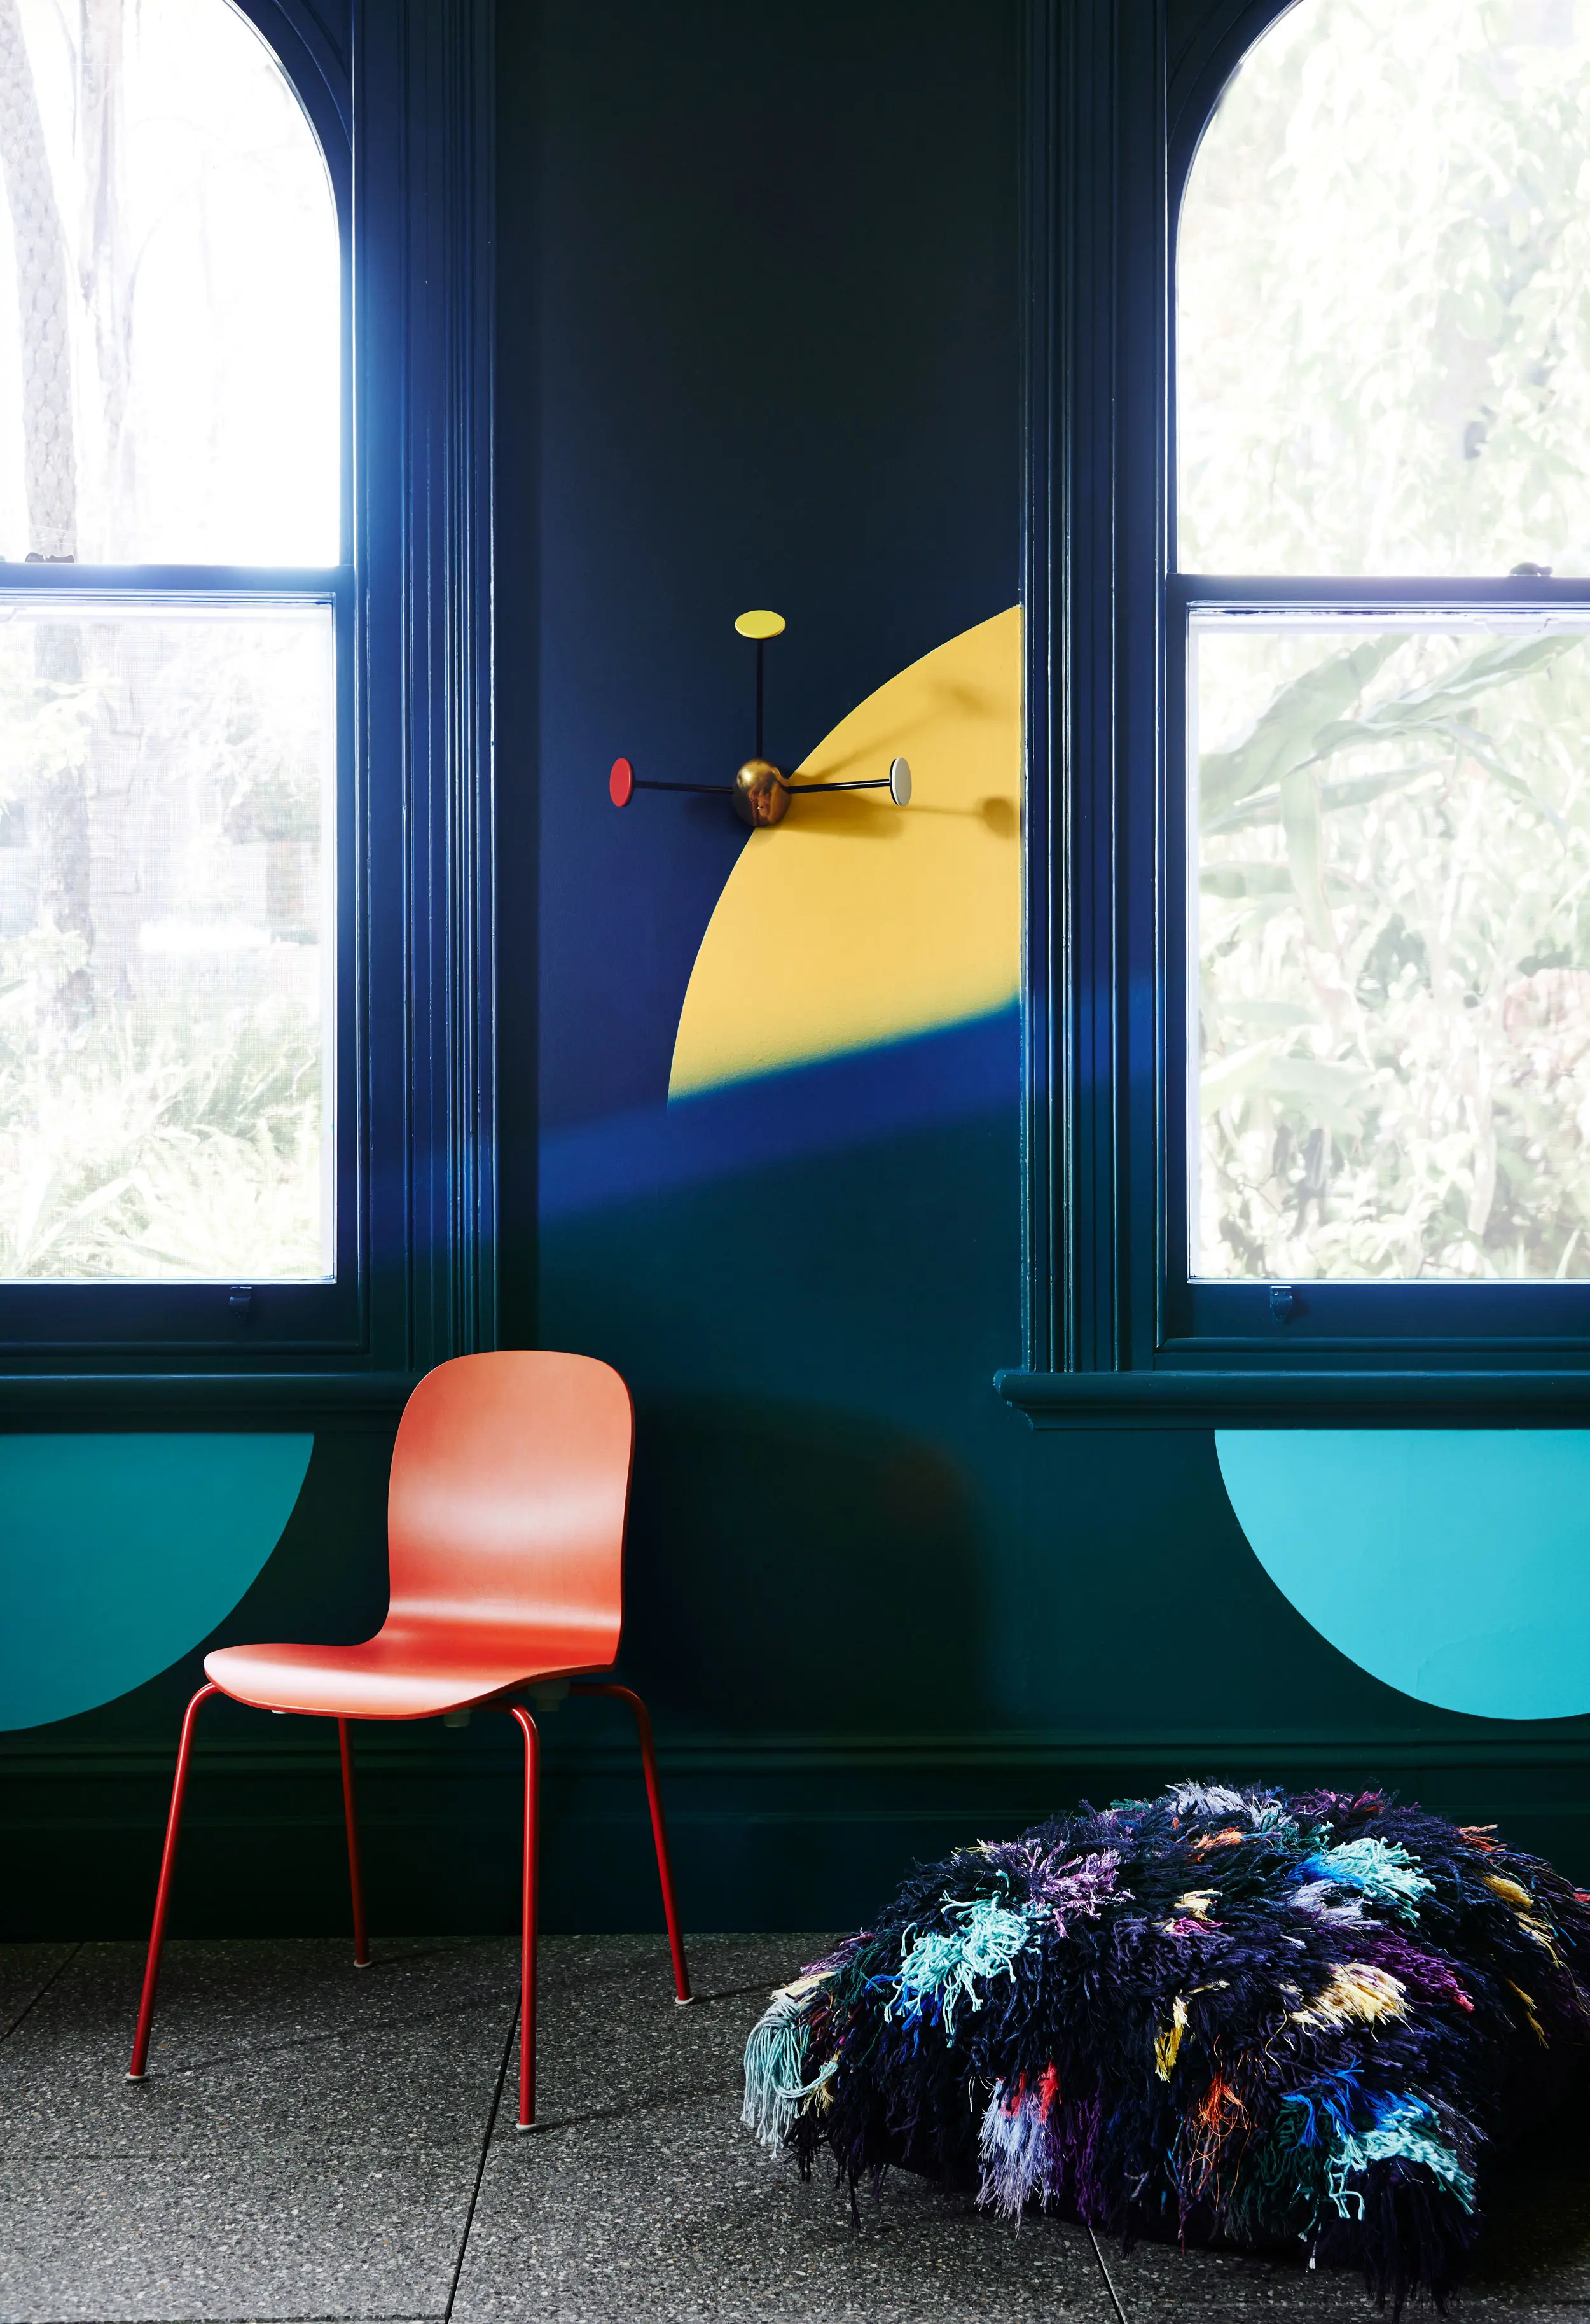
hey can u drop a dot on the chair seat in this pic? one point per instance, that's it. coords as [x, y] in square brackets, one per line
[407, 1671]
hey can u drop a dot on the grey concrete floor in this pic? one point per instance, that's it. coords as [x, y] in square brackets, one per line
[317, 2143]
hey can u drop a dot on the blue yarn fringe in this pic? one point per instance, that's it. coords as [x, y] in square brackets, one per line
[1237, 2016]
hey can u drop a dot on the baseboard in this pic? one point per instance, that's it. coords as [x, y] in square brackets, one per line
[427, 1748]
[768, 1832]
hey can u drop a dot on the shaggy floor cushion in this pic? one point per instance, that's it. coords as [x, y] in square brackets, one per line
[1236, 2016]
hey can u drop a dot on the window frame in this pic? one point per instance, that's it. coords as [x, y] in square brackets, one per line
[1207, 1316]
[401, 97]
[177, 1312]
[1119, 93]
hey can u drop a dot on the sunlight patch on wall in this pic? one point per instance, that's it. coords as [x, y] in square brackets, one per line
[951, 1075]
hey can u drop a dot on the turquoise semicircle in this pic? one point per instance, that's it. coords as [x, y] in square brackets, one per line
[119, 1553]
[1453, 1563]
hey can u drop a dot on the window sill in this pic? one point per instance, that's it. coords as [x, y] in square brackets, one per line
[1316, 1399]
[178, 1399]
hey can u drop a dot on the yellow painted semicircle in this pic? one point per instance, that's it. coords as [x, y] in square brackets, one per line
[855, 921]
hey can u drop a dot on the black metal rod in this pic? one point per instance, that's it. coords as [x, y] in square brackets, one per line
[872, 783]
[719, 790]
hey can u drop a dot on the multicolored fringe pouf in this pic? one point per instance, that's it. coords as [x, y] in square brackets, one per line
[1238, 2017]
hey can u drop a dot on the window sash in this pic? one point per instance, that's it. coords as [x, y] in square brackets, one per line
[403, 98]
[1210, 1319]
[281, 1317]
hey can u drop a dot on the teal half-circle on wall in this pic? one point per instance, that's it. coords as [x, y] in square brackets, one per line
[1453, 1563]
[119, 1553]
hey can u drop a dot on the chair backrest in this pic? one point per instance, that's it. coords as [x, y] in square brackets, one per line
[509, 1485]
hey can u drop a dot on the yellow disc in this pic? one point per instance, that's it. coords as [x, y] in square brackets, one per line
[759, 625]
[855, 922]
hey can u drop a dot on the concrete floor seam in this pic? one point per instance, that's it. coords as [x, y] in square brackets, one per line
[474, 2195]
[1104, 2272]
[28, 2007]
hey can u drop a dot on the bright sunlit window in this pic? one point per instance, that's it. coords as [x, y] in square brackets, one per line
[1383, 414]
[170, 592]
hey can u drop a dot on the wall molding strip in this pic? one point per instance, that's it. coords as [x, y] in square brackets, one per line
[1300, 1400]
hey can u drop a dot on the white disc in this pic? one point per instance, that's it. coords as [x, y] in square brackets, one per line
[900, 782]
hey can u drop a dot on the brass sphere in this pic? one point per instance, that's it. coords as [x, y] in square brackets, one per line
[760, 797]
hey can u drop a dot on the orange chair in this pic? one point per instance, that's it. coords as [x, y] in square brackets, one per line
[505, 1539]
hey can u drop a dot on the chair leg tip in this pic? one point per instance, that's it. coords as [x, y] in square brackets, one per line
[684, 2001]
[142, 2076]
[520, 2128]
[365, 1963]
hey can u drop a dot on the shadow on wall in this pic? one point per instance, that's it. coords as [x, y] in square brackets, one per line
[835, 1578]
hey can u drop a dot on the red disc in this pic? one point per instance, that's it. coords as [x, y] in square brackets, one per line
[620, 783]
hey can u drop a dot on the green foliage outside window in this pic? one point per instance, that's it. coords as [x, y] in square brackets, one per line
[1383, 285]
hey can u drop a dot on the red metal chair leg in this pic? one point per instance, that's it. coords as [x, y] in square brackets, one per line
[356, 1877]
[162, 1895]
[659, 1831]
[526, 1956]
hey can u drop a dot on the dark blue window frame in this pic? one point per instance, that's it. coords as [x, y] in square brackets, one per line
[84, 1317]
[399, 94]
[1119, 93]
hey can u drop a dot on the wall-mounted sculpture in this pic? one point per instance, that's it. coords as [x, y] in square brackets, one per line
[761, 792]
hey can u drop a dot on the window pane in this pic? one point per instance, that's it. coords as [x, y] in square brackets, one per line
[1383, 330]
[166, 1027]
[1391, 948]
[169, 292]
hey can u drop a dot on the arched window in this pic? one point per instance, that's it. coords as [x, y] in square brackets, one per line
[1307, 637]
[175, 613]
[1379, 673]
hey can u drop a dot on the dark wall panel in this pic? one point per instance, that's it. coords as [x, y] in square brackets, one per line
[759, 294]
[778, 366]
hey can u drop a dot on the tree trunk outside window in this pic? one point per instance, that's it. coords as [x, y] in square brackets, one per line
[51, 478]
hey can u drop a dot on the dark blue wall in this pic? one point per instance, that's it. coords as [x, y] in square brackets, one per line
[759, 296]
[777, 358]
[779, 365]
